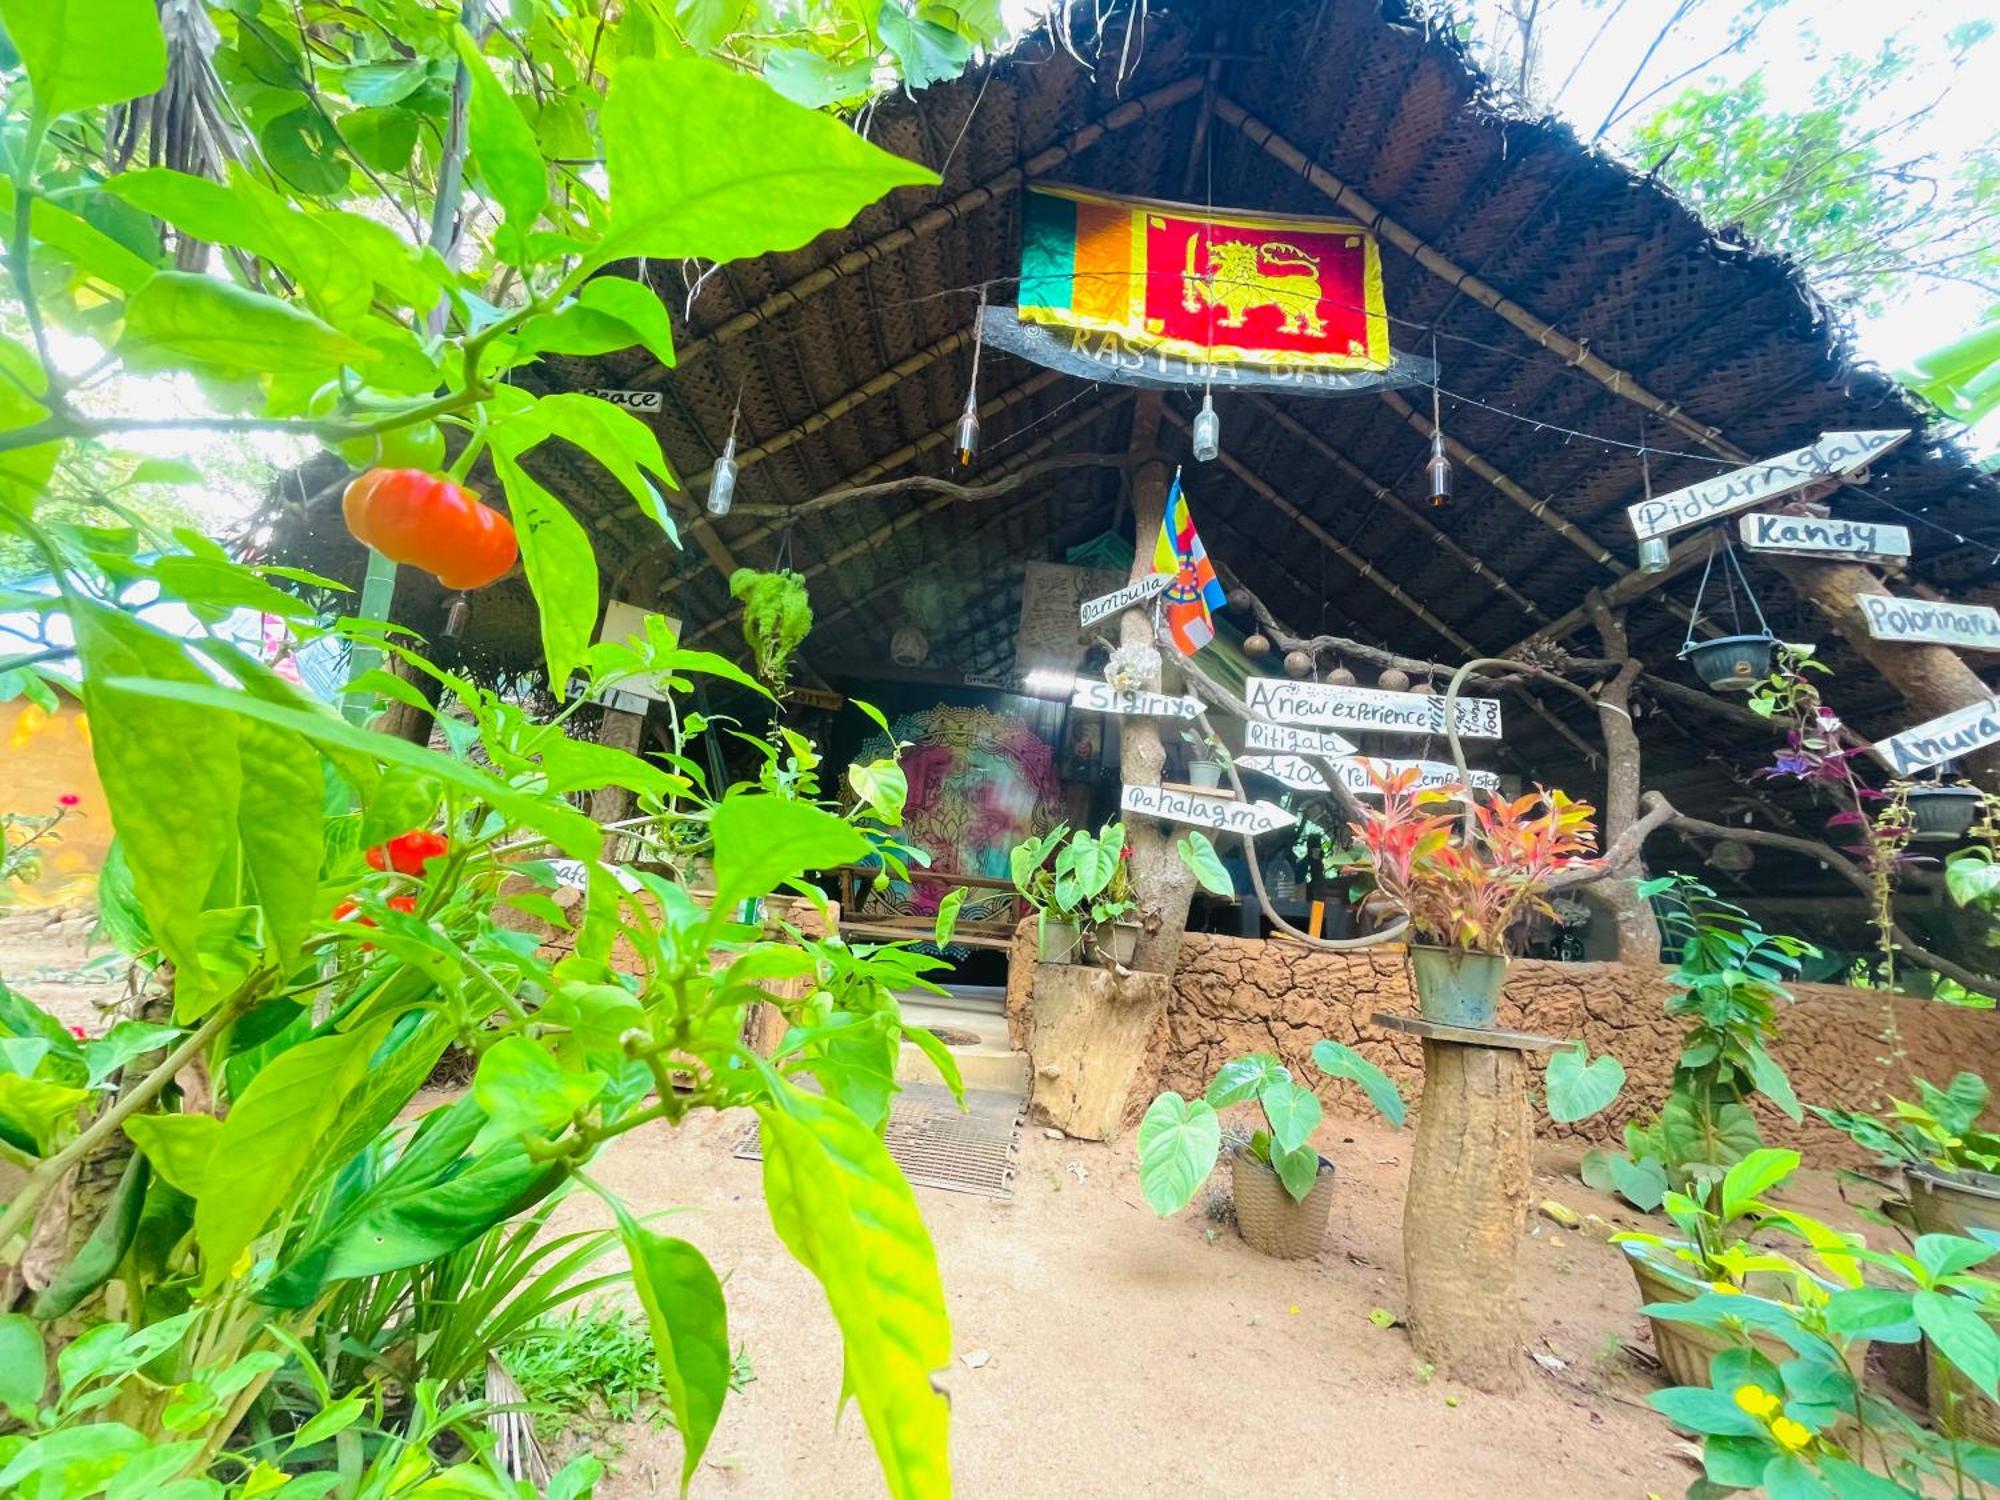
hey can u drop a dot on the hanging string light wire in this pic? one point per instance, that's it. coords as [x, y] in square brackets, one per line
[967, 440]
[1206, 433]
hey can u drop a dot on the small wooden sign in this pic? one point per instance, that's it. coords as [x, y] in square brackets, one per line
[1891, 619]
[1353, 772]
[1287, 739]
[1821, 536]
[633, 401]
[1946, 737]
[1204, 809]
[822, 698]
[1367, 708]
[1835, 453]
[1136, 592]
[1103, 698]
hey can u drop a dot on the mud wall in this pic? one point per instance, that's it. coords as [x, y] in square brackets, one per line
[1235, 995]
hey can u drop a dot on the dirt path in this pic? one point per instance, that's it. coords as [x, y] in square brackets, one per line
[1126, 1357]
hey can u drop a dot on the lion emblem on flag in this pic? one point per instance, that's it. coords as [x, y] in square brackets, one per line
[1242, 277]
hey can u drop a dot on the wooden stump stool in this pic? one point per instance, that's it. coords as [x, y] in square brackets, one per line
[1090, 1032]
[1468, 1201]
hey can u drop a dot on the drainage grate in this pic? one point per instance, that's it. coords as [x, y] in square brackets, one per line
[938, 1145]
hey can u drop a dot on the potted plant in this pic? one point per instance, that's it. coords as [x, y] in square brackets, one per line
[1950, 1167]
[1465, 888]
[1080, 886]
[1732, 663]
[1206, 760]
[1282, 1186]
[1943, 812]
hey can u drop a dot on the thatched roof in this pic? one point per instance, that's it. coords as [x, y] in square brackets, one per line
[851, 358]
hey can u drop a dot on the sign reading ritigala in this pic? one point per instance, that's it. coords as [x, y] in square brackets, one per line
[1287, 739]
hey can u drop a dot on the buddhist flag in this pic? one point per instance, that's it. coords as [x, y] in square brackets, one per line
[1194, 591]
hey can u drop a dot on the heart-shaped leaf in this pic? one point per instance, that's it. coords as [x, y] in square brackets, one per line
[1579, 1086]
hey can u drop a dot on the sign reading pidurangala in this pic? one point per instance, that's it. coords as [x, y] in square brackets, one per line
[1367, 708]
[1203, 810]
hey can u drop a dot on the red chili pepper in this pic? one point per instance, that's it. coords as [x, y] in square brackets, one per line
[410, 516]
[408, 853]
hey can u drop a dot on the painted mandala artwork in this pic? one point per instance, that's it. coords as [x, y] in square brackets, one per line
[980, 782]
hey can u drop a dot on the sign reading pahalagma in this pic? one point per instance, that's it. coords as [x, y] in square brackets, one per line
[1375, 709]
[1204, 809]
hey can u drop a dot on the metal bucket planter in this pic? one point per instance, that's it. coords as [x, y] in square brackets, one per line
[1058, 942]
[1943, 814]
[1944, 1202]
[1956, 1404]
[1270, 1219]
[1686, 1348]
[1732, 663]
[1063, 943]
[1120, 940]
[1457, 988]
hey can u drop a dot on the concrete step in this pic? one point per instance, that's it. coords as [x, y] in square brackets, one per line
[984, 1062]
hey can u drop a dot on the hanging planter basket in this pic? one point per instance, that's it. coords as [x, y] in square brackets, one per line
[1730, 663]
[1943, 814]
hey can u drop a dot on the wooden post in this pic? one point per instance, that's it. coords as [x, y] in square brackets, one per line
[622, 729]
[1089, 1035]
[1637, 930]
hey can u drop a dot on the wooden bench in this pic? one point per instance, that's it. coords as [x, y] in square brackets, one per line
[995, 933]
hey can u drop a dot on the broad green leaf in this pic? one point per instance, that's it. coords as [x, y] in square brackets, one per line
[1735, 1462]
[505, 157]
[638, 307]
[268, 1144]
[122, 1043]
[178, 1146]
[1244, 1078]
[328, 1420]
[209, 327]
[947, 914]
[1297, 1168]
[704, 161]
[382, 137]
[1789, 1477]
[882, 785]
[843, 1209]
[762, 841]
[1338, 1060]
[940, 1057]
[1873, 1313]
[1961, 1335]
[24, 1369]
[1293, 1111]
[1197, 852]
[80, 54]
[1947, 1254]
[925, 52]
[1753, 1176]
[280, 827]
[689, 1322]
[38, 1116]
[561, 566]
[1700, 1409]
[1178, 1142]
[525, 1091]
[1973, 877]
[1852, 1482]
[87, 247]
[1772, 1082]
[1642, 1183]
[613, 437]
[1578, 1089]
[813, 81]
[170, 772]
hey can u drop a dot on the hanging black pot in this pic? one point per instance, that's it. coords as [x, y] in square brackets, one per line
[1943, 814]
[1732, 663]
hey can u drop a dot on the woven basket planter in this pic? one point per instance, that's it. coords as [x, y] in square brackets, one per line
[1686, 1348]
[1270, 1219]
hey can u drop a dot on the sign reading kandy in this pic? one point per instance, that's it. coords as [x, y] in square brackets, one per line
[1103, 698]
[1205, 810]
[1893, 619]
[1818, 536]
[1284, 739]
[1353, 773]
[1946, 737]
[1834, 454]
[1137, 592]
[630, 400]
[1367, 708]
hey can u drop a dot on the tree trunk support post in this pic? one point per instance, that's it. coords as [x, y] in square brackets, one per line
[1467, 1202]
[623, 728]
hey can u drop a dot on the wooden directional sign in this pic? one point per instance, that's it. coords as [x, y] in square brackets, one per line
[1946, 737]
[1893, 619]
[1353, 772]
[1836, 453]
[1137, 592]
[1204, 809]
[1367, 708]
[1285, 739]
[1820, 536]
[1103, 698]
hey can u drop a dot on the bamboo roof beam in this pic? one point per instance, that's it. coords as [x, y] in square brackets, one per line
[1386, 496]
[941, 217]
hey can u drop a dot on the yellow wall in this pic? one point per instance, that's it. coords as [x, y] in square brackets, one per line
[44, 757]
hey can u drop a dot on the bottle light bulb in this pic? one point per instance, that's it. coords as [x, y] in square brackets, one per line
[968, 433]
[1438, 471]
[722, 482]
[1207, 431]
[1653, 555]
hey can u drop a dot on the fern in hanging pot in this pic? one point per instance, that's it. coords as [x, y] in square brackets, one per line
[777, 615]
[1733, 663]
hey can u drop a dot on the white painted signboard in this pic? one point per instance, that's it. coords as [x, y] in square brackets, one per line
[1834, 454]
[1304, 775]
[1821, 536]
[1286, 739]
[1204, 809]
[1103, 698]
[1893, 619]
[1946, 737]
[1093, 610]
[1367, 708]
[630, 400]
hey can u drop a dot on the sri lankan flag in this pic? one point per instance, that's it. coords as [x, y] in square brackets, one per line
[1195, 590]
[1203, 285]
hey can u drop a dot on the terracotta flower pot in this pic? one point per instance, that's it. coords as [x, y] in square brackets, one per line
[1457, 988]
[1270, 1219]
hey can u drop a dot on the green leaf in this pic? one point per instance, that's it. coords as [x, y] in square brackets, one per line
[208, 327]
[1293, 1111]
[1756, 1174]
[1700, 1409]
[882, 785]
[1961, 1335]
[812, 81]
[280, 828]
[763, 841]
[561, 566]
[1178, 1142]
[382, 137]
[505, 158]
[1872, 1313]
[1789, 1477]
[925, 52]
[24, 1370]
[524, 1090]
[1244, 1078]
[843, 1209]
[80, 54]
[329, 1420]
[178, 1146]
[1338, 1060]
[1852, 1482]
[1578, 1089]
[304, 148]
[689, 1322]
[704, 161]
[1197, 852]
[1735, 1462]
[1297, 1169]
[1947, 1254]
[1771, 1080]
[638, 307]
[267, 1147]
[1642, 1183]
[940, 1057]
[36, 1115]
[122, 1043]
[947, 914]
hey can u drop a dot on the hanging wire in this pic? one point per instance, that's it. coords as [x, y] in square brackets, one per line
[1731, 566]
